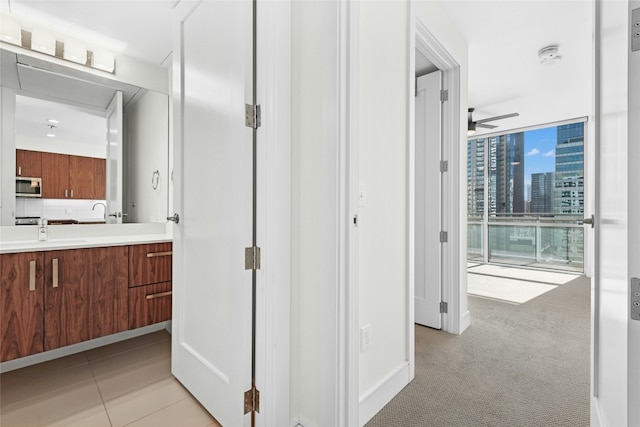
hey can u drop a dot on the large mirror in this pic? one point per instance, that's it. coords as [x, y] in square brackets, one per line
[60, 113]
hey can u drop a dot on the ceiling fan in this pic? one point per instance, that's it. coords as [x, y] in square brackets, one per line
[471, 124]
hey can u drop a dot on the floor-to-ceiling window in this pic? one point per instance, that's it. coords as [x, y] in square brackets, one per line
[525, 196]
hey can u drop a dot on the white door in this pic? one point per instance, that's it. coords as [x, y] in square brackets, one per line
[428, 201]
[212, 291]
[114, 160]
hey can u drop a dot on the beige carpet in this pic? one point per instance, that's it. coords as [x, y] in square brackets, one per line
[516, 366]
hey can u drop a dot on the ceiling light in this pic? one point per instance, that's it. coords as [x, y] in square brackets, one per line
[43, 41]
[10, 31]
[53, 121]
[75, 51]
[549, 55]
[50, 135]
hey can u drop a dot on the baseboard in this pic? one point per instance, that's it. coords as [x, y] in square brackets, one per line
[378, 396]
[34, 359]
[465, 322]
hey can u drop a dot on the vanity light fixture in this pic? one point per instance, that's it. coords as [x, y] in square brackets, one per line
[10, 31]
[43, 41]
[74, 51]
[103, 60]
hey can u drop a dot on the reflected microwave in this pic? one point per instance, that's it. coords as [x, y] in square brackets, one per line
[28, 187]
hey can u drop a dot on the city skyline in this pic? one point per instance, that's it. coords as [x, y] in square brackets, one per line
[540, 148]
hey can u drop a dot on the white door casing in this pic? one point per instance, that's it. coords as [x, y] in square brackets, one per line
[428, 259]
[114, 160]
[211, 345]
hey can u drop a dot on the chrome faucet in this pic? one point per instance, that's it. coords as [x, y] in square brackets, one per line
[104, 215]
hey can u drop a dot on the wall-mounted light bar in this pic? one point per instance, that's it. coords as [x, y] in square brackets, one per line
[44, 41]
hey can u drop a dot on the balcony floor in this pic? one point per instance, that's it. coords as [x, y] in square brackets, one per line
[512, 284]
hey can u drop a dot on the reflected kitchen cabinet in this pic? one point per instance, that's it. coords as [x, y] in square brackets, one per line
[29, 163]
[73, 177]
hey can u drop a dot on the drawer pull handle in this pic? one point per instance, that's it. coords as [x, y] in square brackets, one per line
[32, 275]
[55, 272]
[160, 294]
[157, 254]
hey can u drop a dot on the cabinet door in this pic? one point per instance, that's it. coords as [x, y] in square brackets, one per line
[67, 275]
[150, 263]
[29, 163]
[149, 304]
[21, 304]
[55, 176]
[100, 182]
[81, 177]
[108, 291]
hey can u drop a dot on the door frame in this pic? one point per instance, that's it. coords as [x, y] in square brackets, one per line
[453, 211]
[273, 201]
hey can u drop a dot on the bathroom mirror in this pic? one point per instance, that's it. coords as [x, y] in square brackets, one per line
[45, 92]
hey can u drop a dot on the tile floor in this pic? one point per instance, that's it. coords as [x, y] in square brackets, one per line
[128, 383]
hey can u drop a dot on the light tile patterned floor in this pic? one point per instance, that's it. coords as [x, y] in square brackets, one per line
[124, 384]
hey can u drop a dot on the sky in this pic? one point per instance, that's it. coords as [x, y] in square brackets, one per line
[540, 153]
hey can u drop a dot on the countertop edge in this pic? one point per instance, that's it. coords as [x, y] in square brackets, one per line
[81, 243]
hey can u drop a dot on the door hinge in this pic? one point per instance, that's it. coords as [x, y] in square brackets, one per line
[443, 307]
[252, 117]
[252, 258]
[444, 237]
[252, 400]
[444, 165]
[444, 95]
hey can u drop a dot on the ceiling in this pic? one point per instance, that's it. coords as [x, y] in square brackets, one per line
[503, 36]
[137, 28]
[505, 74]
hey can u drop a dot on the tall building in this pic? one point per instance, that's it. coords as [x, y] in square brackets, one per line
[569, 179]
[542, 192]
[475, 177]
[506, 174]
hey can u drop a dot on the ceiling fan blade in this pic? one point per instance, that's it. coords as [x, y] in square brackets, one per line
[481, 125]
[490, 119]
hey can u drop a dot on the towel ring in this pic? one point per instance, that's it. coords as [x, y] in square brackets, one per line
[155, 179]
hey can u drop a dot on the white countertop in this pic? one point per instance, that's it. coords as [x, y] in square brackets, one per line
[24, 238]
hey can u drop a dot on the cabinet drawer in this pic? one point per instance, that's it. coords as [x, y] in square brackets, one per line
[149, 304]
[150, 263]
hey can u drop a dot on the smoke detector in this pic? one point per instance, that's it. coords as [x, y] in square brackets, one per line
[549, 55]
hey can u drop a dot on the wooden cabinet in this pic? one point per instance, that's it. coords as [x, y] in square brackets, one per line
[29, 163]
[53, 299]
[55, 176]
[21, 302]
[85, 294]
[73, 177]
[150, 270]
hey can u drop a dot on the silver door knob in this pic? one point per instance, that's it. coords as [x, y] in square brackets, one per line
[591, 221]
[175, 218]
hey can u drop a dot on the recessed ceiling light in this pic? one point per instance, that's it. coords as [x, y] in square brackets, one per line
[53, 121]
[50, 135]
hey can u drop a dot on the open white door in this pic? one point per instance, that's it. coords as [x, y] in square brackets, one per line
[114, 160]
[212, 291]
[428, 292]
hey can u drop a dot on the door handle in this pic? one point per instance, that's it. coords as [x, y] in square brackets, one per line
[55, 273]
[591, 221]
[32, 275]
[175, 218]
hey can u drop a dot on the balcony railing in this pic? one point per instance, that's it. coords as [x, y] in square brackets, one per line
[546, 241]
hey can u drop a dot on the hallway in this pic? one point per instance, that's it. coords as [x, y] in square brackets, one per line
[517, 365]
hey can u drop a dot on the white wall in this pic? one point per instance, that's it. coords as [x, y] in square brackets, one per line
[383, 146]
[314, 215]
[617, 338]
[7, 156]
[62, 147]
[146, 151]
